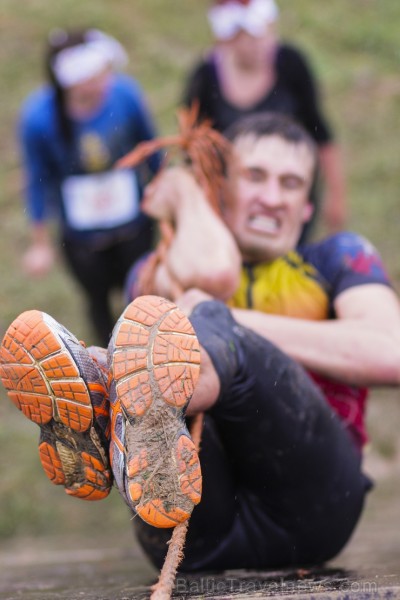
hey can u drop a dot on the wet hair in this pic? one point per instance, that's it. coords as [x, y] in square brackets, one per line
[58, 40]
[269, 124]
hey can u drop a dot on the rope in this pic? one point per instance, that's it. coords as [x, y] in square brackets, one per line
[162, 590]
[208, 153]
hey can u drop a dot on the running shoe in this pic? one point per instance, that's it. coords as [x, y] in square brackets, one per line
[52, 378]
[154, 359]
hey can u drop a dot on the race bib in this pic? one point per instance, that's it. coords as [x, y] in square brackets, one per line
[101, 200]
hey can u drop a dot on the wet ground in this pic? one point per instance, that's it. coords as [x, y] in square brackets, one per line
[104, 569]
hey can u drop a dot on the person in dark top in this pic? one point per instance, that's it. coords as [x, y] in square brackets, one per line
[250, 70]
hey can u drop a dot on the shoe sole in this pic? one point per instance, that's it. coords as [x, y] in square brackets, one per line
[44, 381]
[155, 363]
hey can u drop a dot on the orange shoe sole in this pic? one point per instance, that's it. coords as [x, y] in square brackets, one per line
[156, 364]
[39, 367]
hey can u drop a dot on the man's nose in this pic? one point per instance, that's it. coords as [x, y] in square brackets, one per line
[271, 193]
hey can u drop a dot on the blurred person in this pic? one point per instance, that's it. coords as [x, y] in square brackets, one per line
[281, 375]
[72, 130]
[249, 69]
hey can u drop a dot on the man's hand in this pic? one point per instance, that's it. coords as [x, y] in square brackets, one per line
[199, 250]
[163, 193]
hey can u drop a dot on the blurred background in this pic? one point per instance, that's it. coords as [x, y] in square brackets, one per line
[353, 46]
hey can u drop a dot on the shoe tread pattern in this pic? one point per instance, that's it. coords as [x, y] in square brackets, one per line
[155, 365]
[39, 367]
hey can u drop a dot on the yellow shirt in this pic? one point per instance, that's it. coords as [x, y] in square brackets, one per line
[288, 286]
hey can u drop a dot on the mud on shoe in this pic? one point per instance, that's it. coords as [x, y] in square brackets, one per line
[154, 358]
[53, 380]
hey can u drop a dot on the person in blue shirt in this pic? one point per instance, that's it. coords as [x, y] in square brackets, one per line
[72, 131]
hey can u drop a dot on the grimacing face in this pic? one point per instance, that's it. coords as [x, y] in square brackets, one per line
[272, 178]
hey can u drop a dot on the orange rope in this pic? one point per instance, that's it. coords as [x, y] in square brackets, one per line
[208, 153]
[162, 590]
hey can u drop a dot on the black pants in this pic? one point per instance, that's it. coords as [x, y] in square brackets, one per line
[282, 483]
[99, 270]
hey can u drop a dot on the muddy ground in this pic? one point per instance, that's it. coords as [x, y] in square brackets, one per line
[72, 568]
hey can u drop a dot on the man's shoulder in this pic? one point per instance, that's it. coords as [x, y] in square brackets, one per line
[343, 255]
[338, 244]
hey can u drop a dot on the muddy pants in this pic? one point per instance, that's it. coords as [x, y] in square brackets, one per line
[282, 480]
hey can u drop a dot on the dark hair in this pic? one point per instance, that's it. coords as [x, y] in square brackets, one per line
[268, 124]
[59, 40]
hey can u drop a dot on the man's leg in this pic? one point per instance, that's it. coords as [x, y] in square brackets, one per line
[57, 384]
[295, 466]
[282, 481]
[154, 361]
[281, 477]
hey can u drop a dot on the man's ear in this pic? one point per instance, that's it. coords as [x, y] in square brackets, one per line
[308, 212]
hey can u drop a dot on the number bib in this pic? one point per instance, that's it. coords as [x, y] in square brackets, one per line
[101, 200]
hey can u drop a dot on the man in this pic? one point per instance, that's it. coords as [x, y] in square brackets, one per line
[282, 379]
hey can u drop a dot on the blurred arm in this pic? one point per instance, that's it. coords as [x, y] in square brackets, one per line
[39, 258]
[360, 347]
[334, 209]
[203, 252]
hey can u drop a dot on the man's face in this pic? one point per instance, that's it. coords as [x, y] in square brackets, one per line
[272, 178]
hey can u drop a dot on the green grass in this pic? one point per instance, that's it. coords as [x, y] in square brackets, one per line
[354, 51]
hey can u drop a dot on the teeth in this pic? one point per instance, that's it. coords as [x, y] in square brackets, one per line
[264, 223]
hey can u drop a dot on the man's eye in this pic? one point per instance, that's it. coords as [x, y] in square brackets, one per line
[292, 183]
[254, 175]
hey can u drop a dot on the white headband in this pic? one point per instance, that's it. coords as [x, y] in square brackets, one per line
[79, 63]
[227, 19]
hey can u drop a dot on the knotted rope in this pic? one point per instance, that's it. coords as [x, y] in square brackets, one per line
[207, 153]
[162, 590]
